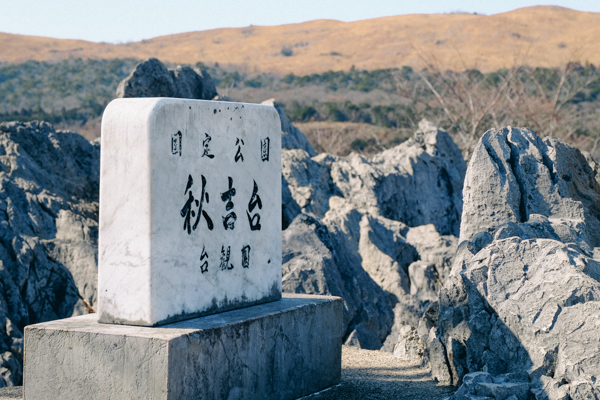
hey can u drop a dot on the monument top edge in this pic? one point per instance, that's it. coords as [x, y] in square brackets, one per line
[290, 302]
[170, 100]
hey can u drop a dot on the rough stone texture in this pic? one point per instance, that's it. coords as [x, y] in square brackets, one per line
[514, 173]
[381, 215]
[481, 385]
[152, 79]
[291, 137]
[418, 182]
[524, 305]
[48, 232]
[280, 350]
[521, 301]
[430, 170]
[434, 248]
[410, 347]
[317, 261]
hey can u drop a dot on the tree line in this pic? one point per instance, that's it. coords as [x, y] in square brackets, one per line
[561, 102]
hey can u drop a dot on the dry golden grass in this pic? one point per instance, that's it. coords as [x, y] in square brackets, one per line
[545, 36]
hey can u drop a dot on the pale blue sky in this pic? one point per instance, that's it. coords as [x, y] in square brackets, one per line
[128, 20]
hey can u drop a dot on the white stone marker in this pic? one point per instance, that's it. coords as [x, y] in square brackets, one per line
[190, 209]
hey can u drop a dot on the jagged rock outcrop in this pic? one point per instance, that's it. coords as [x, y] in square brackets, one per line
[316, 260]
[515, 173]
[522, 300]
[355, 199]
[430, 171]
[152, 79]
[418, 182]
[48, 232]
[481, 385]
[291, 137]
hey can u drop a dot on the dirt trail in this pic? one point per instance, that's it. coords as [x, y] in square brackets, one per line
[375, 375]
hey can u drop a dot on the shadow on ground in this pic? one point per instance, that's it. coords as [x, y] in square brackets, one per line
[374, 375]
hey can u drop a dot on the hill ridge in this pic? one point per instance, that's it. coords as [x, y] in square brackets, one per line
[544, 36]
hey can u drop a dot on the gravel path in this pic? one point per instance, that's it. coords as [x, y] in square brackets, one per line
[366, 375]
[374, 375]
[11, 393]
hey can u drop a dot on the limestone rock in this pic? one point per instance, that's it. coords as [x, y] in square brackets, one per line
[291, 137]
[481, 385]
[430, 170]
[436, 355]
[522, 296]
[152, 79]
[308, 181]
[345, 194]
[48, 231]
[520, 313]
[410, 347]
[317, 261]
[424, 280]
[418, 182]
[513, 173]
[433, 248]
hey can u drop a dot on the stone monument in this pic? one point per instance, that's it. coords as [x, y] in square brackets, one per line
[190, 210]
[190, 302]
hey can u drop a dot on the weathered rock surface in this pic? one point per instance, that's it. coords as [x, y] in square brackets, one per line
[430, 171]
[48, 232]
[377, 217]
[152, 79]
[418, 182]
[434, 248]
[514, 173]
[481, 385]
[410, 347]
[522, 301]
[316, 260]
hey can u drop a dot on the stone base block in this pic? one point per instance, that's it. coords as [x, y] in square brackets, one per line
[279, 350]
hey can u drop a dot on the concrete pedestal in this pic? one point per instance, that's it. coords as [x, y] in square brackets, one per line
[279, 350]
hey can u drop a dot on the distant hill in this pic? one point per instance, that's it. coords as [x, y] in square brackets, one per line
[544, 36]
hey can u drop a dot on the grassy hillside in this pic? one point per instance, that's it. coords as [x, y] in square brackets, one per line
[341, 111]
[70, 94]
[542, 36]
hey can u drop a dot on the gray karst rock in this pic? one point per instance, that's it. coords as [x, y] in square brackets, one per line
[351, 196]
[434, 248]
[515, 174]
[316, 260]
[291, 137]
[418, 182]
[525, 305]
[410, 347]
[481, 385]
[430, 170]
[152, 79]
[48, 232]
[521, 304]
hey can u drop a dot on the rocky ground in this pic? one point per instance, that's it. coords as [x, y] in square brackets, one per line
[15, 392]
[377, 375]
